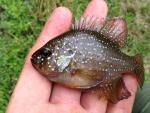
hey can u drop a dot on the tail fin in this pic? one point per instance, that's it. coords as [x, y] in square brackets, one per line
[139, 69]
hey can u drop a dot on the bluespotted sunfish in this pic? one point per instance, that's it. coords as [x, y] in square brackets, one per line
[88, 57]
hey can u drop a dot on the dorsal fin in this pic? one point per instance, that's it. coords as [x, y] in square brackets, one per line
[114, 29]
[88, 23]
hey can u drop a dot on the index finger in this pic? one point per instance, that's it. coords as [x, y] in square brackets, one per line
[32, 87]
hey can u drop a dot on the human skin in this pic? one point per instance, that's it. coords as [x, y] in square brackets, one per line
[35, 94]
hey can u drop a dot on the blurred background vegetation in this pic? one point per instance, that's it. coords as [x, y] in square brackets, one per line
[22, 20]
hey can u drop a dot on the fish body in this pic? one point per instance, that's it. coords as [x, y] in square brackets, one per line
[89, 57]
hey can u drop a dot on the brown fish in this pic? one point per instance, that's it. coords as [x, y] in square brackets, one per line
[88, 57]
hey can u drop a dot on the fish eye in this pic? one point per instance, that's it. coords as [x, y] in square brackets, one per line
[46, 52]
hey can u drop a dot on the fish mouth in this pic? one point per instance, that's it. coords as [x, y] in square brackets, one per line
[33, 62]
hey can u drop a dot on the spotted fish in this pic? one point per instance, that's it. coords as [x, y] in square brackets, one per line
[88, 57]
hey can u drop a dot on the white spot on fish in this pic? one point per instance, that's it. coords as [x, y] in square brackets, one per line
[38, 57]
[48, 58]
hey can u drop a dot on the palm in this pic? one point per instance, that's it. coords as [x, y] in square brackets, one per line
[34, 94]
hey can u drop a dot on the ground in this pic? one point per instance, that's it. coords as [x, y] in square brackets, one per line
[21, 22]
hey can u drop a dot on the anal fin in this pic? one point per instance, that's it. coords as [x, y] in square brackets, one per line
[118, 92]
[112, 88]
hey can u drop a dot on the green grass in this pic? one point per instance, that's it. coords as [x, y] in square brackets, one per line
[21, 22]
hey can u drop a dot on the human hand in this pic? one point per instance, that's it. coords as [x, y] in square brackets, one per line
[33, 92]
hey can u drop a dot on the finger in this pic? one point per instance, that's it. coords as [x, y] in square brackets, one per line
[32, 87]
[58, 23]
[125, 106]
[96, 8]
[65, 95]
[93, 103]
[61, 94]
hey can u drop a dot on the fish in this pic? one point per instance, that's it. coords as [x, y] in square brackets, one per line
[88, 57]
